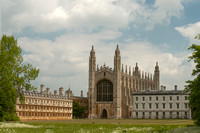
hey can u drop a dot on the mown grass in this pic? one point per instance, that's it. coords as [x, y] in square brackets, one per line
[106, 126]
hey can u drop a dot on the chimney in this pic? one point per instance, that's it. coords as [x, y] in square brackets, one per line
[48, 90]
[162, 87]
[175, 87]
[81, 93]
[55, 92]
[61, 91]
[41, 88]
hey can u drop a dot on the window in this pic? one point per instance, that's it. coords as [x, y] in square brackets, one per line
[170, 98]
[143, 98]
[104, 91]
[186, 105]
[149, 114]
[136, 98]
[156, 98]
[163, 105]
[170, 105]
[143, 105]
[143, 114]
[163, 98]
[170, 113]
[163, 114]
[156, 115]
[177, 98]
[149, 105]
[156, 105]
[177, 113]
[186, 98]
[149, 98]
[185, 114]
[136, 114]
[177, 105]
[136, 105]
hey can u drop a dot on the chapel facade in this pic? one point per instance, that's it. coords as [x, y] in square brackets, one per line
[110, 90]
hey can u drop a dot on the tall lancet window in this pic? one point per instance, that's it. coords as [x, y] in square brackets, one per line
[104, 91]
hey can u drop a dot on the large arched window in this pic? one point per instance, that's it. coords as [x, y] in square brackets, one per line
[104, 91]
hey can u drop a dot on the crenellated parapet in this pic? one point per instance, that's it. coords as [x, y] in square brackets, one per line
[103, 69]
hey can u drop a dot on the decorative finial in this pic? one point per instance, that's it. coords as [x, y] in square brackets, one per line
[122, 68]
[117, 52]
[156, 63]
[142, 74]
[126, 69]
[92, 47]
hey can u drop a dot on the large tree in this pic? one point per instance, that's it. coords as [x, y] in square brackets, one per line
[193, 86]
[14, 75]
[78, 110]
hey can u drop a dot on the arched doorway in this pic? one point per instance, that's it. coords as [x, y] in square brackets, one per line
[104, 114]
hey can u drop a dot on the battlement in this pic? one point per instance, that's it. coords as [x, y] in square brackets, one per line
[104, 68]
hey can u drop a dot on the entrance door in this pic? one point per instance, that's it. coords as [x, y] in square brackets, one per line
[104, 114]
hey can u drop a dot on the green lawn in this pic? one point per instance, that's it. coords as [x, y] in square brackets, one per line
[99, 126]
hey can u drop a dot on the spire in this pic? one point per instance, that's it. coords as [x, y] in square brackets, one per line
[122, 68]
[92, 52]
[143, 74]
[126, 69]
[136, 67]
[133, 71]
[97, 67]
[157, 67]
[117, 51]
[129, 70]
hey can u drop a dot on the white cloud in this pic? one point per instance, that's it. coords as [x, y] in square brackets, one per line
[189, 31]
[89, 14]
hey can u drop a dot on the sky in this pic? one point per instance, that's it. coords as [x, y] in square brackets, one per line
[56, 36]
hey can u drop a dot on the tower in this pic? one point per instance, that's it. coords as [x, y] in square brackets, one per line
[157, 77]
[117, 84]
[92, 69]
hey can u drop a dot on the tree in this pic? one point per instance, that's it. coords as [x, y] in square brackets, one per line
[78, 110]
[14, 75]
[193, 86]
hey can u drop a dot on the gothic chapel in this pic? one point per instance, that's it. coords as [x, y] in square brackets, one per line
[110, 90]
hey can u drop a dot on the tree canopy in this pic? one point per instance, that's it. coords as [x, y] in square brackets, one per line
[193, 86]
[78, 110]
[14, 75]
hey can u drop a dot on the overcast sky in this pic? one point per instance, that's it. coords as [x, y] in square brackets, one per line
[56, 36]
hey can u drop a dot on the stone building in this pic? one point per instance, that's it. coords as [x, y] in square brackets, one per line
[161, 104]
[44, 106]
[83, 101]
[110, 90]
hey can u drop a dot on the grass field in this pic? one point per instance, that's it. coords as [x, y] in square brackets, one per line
[100, 126]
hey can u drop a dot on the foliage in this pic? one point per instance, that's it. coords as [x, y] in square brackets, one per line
[13, 77]
[99, 126]
[78, 110]
[193, 86]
